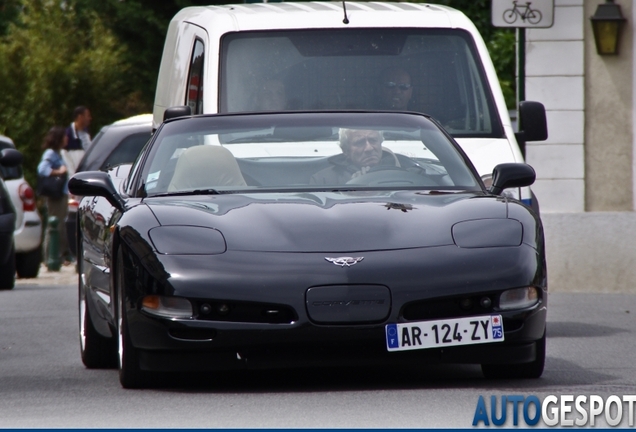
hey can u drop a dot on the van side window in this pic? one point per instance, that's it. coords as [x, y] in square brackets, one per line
[194, 91]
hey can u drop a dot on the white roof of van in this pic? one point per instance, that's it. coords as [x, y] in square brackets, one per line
[138, 119]
[326, 6]
[314, 15]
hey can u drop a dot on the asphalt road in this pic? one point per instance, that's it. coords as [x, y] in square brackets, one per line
[591, 347]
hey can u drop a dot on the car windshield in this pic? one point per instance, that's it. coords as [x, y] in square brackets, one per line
[303, 151]
[432, 71]
[126, 151]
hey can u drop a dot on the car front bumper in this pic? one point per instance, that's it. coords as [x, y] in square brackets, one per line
[182, 346]
[415, 278]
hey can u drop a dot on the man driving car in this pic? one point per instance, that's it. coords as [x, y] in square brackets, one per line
[361, 151]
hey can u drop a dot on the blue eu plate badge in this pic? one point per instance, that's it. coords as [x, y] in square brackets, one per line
[392, 336]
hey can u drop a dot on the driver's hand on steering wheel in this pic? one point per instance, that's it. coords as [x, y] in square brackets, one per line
[362, 172]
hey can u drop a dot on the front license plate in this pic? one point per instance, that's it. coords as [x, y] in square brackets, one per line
[443, 333]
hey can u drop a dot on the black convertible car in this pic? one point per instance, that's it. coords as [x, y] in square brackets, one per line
[307, 239]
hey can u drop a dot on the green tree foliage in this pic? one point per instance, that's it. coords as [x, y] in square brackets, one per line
[9, 11]
[501, 46]
[51, 60]
[141, 25]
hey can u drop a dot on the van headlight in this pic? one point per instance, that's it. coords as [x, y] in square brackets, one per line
[518, 298]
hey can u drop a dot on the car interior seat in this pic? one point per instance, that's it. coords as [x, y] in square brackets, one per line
[206, 166]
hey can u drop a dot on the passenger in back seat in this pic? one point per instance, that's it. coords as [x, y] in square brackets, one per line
[270, 96]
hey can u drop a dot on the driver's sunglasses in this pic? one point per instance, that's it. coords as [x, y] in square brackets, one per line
[392, 85]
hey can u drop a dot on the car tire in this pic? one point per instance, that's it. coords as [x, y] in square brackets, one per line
[130, 374]
[27, 264]
[98, 352]
[7, 272]
[531, 370]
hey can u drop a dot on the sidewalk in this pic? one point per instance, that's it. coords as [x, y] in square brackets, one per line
[66, 276]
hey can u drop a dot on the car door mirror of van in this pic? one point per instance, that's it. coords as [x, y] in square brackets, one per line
[509, 175]
[533, 125]
[177, 111]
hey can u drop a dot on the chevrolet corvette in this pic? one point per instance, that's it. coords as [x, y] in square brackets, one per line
[307, 239]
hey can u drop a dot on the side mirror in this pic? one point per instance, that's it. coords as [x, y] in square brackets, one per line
[177, 111]
[508, 175]
[10, 157]
[533, 125]
[96, 183]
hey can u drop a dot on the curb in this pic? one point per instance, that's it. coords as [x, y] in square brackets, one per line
[66, 276]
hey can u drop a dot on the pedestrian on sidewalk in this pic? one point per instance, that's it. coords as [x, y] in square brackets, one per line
[79, 139]
[52, 166]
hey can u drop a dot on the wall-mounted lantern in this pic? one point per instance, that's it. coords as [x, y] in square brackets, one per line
[607, 23]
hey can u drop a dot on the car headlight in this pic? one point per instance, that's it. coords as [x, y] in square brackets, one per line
[167, 307]
[482, 233]
[187, 240]
[518, 298]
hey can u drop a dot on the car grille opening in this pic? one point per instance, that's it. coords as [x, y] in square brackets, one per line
[512, 324]
[250, 312]
[192, 334]
[448, 307]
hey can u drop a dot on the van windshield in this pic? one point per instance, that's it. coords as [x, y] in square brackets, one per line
[432, 71]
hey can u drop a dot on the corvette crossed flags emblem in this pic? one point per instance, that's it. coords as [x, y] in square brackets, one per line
[344, 261]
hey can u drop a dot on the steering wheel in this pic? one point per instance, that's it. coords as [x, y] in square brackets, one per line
[388, 175]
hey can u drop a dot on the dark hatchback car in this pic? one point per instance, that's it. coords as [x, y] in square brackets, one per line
[115, 144]
[307, 239]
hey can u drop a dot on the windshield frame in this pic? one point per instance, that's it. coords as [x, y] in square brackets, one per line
[141, 169]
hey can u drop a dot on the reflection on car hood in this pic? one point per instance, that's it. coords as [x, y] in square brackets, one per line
[334, 222]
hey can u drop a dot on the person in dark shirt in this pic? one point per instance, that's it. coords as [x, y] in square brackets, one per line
[270, 96]
[394, 89]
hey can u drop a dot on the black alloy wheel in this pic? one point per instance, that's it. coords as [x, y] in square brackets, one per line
[130, 374]
[98, 352]
[27, 264]
[7, 272]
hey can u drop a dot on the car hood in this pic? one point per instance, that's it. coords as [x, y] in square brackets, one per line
[329, 221]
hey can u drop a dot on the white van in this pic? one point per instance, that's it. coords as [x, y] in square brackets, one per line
[342, 56]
